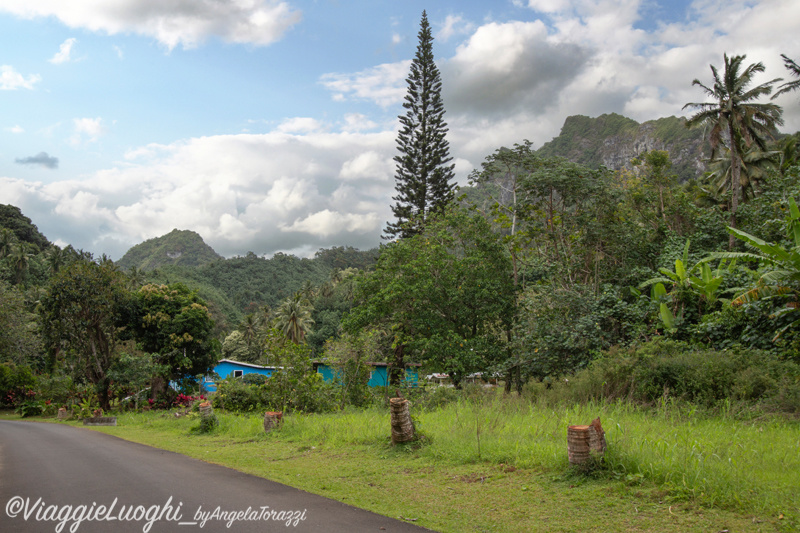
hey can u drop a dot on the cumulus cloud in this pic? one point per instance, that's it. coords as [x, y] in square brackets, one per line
[41, 159]
[384, 84]
[64, 52]
[177, 22]
[266, 193]
[11, 80]
[503, 67]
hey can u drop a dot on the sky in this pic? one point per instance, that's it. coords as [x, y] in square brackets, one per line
[269, 126]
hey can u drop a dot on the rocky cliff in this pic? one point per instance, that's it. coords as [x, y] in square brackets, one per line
[614, 141]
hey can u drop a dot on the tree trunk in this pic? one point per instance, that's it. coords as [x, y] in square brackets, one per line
[584, 442]
[397, 369]
[736, 172]
[402, 425]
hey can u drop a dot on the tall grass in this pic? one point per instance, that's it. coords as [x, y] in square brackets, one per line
[710, 459]
[714, 460]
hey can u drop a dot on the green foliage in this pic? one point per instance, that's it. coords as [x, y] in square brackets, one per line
[446, 294]
[20, 341]
[174, 324]
[207, 424]
[82, 312]
[658, 371]
[132, 372]
[185, 248]
[293, 386]
[344, 257]
[780, 280]
[15, 382]
[562, 330]
[29, 408]
[23, 229]
[348, 357]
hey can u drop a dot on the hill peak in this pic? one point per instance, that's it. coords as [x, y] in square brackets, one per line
[178, 247]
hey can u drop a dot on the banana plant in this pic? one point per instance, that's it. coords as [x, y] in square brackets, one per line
[782, 277]
[679, 278]
[659, 295]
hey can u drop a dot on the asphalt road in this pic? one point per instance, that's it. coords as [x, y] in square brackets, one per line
[85, 481]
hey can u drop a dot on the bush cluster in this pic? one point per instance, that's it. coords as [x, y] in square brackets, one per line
[662, 369]
[283, 391]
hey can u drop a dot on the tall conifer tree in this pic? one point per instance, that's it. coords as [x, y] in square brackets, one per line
[423, 172]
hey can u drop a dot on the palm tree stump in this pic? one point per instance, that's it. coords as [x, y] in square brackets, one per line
[402, 425]
[206, 411]
[272, 420]
[585, 442]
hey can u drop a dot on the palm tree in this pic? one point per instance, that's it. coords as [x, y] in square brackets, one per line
[293, 318]
[136, 278]
[735, 119]
[7, 240]
[20, 258]
[249, 328]
[789, 86]
[56, 258]
[756, 165]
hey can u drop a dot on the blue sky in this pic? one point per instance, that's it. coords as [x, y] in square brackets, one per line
[269, 126]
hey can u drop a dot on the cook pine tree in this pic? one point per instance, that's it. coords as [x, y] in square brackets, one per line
[424, 173]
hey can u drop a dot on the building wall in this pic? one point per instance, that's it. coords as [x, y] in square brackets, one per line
[378, 376]
[226, 368]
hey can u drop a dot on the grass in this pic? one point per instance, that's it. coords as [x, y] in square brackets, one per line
[499, 464]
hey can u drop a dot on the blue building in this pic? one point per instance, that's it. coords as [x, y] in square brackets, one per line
[229, 367]
[378, 373]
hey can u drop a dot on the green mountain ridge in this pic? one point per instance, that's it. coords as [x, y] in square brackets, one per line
[614, 141]
[22, 227]
[178, 247]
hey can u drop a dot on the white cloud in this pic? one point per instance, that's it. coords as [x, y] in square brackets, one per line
[11, 80]
[177, 22]
[326, 223]
[300, 125]
[454, 25]
[64, 52]
[384, 84]
[266, 193]
[354, 122]
[86, 130]
[15, 129]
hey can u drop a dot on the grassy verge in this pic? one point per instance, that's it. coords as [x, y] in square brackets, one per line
[492, 464]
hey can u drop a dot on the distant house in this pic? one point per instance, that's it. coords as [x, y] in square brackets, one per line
[229, 367]
[378, 374]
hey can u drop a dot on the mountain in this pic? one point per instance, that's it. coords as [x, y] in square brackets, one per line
[613, 141]
[24, 230]
[178, 247]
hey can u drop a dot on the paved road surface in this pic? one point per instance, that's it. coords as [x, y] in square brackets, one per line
[58, 468]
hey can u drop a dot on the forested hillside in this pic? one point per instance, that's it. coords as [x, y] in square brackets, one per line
[183, 248]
